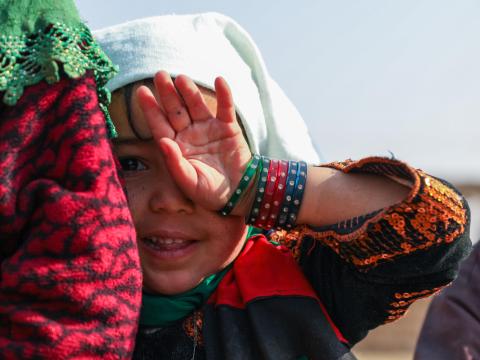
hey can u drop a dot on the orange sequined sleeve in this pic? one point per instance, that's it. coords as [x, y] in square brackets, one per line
[369, 269]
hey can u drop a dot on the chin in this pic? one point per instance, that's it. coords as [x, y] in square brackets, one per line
[171, 286]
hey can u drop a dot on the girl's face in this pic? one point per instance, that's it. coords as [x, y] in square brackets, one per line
[180, 243]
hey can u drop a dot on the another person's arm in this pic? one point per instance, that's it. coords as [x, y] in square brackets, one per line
[452, 326]
[70, 281]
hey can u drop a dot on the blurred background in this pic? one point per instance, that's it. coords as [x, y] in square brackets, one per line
[370, 77]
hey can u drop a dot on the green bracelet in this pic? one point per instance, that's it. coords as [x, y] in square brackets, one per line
[247, 178]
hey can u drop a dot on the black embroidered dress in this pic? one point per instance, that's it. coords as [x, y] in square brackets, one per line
[322, 289]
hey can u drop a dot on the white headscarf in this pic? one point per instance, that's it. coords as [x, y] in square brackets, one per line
[203, 47]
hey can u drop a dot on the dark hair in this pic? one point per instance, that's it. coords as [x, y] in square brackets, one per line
[127, 91]
[127, 96]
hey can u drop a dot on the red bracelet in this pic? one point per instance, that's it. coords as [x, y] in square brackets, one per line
[268, 194]
[278, 194]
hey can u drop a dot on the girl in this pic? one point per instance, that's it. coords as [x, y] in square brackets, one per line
[345, 247]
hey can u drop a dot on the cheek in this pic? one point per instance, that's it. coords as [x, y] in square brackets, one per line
[137, 197]
[230, 237]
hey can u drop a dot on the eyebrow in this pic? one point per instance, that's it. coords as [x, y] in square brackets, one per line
[130, 141]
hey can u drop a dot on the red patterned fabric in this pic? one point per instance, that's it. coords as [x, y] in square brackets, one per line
[70, 281]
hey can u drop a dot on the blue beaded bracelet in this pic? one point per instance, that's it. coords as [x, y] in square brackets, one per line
[300, 182]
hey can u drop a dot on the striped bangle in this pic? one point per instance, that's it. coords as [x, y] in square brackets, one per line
[246, 179]
[261, 182]
[278, 194]
[287, 200]
[297, 197]
[268, 192]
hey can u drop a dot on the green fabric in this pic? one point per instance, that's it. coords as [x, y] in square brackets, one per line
[38, 36]
[18, 17]
[161, 310]
[252, 231]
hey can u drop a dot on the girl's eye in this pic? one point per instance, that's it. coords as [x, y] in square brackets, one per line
[132, 164]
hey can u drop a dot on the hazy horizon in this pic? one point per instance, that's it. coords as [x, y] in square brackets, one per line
[369, 77]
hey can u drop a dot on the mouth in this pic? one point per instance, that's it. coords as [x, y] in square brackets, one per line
[168, 248]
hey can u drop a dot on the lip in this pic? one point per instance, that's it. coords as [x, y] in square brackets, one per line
[171, 246]
[167, 233]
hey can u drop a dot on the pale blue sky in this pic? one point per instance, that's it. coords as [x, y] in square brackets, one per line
[369, 76]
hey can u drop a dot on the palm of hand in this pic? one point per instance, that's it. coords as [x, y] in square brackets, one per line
[218, 154]
[205, 154]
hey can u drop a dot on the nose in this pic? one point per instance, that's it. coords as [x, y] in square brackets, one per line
[167, 197]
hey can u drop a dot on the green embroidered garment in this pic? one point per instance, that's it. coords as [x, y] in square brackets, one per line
[41, 38]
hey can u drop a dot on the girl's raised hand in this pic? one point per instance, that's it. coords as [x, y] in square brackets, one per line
[205, 153]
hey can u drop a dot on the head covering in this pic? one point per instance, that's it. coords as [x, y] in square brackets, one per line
[204, 46]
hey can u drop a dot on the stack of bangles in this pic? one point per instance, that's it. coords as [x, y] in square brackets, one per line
[279, 191]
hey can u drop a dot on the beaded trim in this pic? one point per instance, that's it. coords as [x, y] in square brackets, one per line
[193, 326]
[30, 58]
[432, 214]
[399, 307]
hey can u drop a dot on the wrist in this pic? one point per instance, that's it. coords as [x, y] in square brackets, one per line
[271, 198]
[278, 195]
[246, 180]
[245, 204]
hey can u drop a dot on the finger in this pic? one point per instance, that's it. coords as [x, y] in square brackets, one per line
[182, 172]
[225, 105]
[154, 116]
[175, 109]
[193, 98]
